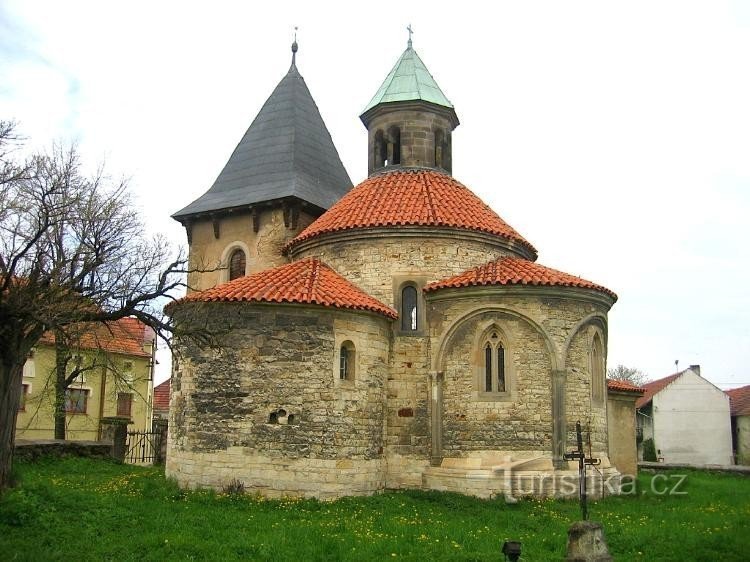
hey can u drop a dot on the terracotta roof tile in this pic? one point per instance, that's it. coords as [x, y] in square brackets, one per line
[624, 386]
[411, 197]
[515, 271]
[127, 336]
[739, 400]
[161, 396]
[307, 281]
[653, 387]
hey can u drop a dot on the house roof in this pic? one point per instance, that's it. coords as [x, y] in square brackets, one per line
[411, 197]
[308, 281]
[286, 152]
[624, 386]
[653, 387]
[161, 396]
[739, 401]
[126, 336]
[409, 80]
[515, 271]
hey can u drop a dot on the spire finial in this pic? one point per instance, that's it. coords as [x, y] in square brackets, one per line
[294, 47]
[409, 29]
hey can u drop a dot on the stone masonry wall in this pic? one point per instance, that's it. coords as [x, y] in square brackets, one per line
[264, 246]
[372, 262]
[418, 130]
[268, 408]
[522, 421]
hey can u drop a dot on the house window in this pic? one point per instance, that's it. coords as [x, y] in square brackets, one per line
[237, 262]
[124, 404]
[494, 364]
[409, 311]
[29, 368]
[76, 400]
[24, 394]
[346, 361]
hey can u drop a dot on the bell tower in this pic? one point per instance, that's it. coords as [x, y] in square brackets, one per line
[409, 120]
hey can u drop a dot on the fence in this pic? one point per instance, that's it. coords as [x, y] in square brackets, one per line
[145, 447]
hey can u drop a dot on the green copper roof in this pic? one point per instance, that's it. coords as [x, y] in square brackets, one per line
[408, 81]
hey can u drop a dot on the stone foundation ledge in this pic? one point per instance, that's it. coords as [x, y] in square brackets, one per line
[274, 477]
[515, 479]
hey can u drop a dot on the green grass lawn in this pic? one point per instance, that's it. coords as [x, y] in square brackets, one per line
[79, 509]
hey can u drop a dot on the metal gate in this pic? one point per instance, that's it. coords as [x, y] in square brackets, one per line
[144, 447]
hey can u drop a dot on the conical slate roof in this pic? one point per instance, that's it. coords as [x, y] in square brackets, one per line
[409, 80]
[286, 152]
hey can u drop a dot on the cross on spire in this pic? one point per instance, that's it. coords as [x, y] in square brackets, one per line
[409, 29]
[294, 47]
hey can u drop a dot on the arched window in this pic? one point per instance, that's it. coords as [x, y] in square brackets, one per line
[494, 364]
[439, 148]
[380, 150]
[409, 312]
[346, 361]
[394, 146]
[237, 262]
[597, 369]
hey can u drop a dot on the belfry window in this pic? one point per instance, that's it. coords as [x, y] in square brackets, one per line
[409, 312]
[237, 263]
[394, 146]
[494, 364]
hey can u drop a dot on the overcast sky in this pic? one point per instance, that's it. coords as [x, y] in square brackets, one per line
[615, 137]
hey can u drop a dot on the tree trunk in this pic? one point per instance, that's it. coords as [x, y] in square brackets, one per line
[62, 356]
[10, 396]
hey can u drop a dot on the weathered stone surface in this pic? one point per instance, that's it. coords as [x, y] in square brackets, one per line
[586, 543]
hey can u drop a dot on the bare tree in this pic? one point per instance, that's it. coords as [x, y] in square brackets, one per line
[72, 250]
[627, 374]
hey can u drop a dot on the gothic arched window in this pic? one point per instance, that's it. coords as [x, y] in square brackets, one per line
[237, 263]
[409, 309]
[494, 364]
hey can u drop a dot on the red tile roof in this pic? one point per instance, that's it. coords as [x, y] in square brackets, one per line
[126, 336]
[739, 400]
[411, 197]
[653, 387]
[624, 386]
[307, 281]
[515, 271]
[161, 396]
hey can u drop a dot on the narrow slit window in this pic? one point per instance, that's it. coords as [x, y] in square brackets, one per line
[500, 368]
[488, 368]
[344, 363]
[409, 309]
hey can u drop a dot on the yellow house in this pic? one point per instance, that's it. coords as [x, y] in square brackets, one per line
[116, 380]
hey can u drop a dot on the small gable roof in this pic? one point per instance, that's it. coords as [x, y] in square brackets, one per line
[308, 281]
[624, 386]
[126, 336]
[515, 271]
[739, 401]
[654, 387]
[161, 396]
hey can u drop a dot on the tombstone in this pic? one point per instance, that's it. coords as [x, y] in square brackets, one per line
[115, 429]
[586, 543]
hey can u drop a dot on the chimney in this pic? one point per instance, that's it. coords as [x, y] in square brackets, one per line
[696, 369]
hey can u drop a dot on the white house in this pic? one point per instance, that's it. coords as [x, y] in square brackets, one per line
[688, 419]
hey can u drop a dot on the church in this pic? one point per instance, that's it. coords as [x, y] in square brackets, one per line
[394, 334]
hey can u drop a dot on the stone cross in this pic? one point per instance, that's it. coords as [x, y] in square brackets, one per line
[583, 461]
[409, 29]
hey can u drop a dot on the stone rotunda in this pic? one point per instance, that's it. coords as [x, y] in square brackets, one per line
[394, 334]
